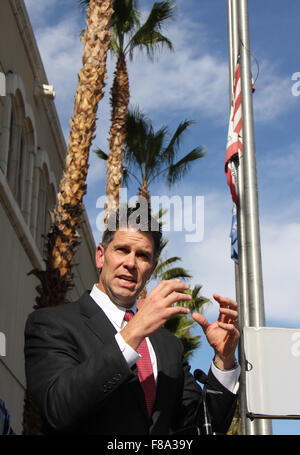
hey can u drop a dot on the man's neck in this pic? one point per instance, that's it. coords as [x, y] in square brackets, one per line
[113, 299]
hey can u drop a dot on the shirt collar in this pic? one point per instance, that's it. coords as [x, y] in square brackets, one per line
[113, 311]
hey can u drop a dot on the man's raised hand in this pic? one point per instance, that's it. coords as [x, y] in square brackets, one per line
[155, 310]
[223, 334]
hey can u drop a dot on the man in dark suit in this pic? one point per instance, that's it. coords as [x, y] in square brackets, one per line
[99, 366]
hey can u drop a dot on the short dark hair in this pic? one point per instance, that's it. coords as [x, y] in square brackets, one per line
[137, 218]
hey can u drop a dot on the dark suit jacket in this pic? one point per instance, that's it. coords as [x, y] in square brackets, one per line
[81, 382]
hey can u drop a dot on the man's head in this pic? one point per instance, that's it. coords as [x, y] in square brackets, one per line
[127, 255]
[136, 218]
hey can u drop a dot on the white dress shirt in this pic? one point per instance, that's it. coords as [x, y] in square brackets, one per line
[116, 313]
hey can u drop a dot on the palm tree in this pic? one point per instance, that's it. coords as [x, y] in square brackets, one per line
[149, 154]
[63, 238]
[127, 35]
[164, 269]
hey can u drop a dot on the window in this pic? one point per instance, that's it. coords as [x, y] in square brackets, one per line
[46, 202]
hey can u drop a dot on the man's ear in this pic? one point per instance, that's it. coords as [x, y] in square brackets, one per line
[99, 257]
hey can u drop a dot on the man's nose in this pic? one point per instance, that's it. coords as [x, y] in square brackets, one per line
[130, 260]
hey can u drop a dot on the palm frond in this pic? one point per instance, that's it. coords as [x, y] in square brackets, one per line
[170, 151]
[143, 144]
[162, 245]
[164, 264]
[175, 272]
[197, 288]
[177, 170]
[164, 271]
[160, 214]
[101, 154]
[83, 4]
[125, 19]
[137, 127]
[180, 325]
[190, 344]
[197, 303]
[149, 35]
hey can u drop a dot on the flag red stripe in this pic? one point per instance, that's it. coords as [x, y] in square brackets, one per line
[234, 142]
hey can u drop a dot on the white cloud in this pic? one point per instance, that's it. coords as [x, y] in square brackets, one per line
[61, 51]
[284, 163]
[38, 9]
[192, 79]
[189, 78]
[210, 264]
[195, 78]
[272, 96]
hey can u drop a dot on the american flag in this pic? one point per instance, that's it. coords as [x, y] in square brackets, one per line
[234, 145]
[234, 141]
[235, 134]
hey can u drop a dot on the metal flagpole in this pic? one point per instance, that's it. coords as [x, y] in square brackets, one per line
[241, 267]
[247, 426]
[256, 314]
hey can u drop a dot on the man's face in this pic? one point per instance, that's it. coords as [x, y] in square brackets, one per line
[126, 264]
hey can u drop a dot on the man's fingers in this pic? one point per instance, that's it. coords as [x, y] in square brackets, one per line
[166, 287]
[177, 297]
[230, 315]
[225, 302]
[228, 309]
[230, 328]
[166, 293]
[176, 310]
[201, 320]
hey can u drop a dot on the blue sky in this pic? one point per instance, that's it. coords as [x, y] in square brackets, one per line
[192, 83]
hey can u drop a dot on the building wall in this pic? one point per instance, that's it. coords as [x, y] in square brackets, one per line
[32, 150]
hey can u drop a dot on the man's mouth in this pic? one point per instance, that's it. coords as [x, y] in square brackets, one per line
[127, 280]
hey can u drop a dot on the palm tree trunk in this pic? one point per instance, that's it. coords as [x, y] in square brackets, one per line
[117, 135]
[144, 192]
[63, 238]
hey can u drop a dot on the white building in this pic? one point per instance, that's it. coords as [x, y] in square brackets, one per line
[32, 151]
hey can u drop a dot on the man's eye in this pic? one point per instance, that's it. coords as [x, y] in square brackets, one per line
[145, 256]
[122, 250]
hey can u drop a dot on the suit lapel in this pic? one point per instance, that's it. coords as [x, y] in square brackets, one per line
[100, 325]
[96, 319]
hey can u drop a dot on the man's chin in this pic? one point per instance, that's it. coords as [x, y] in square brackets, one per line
[126, 297]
